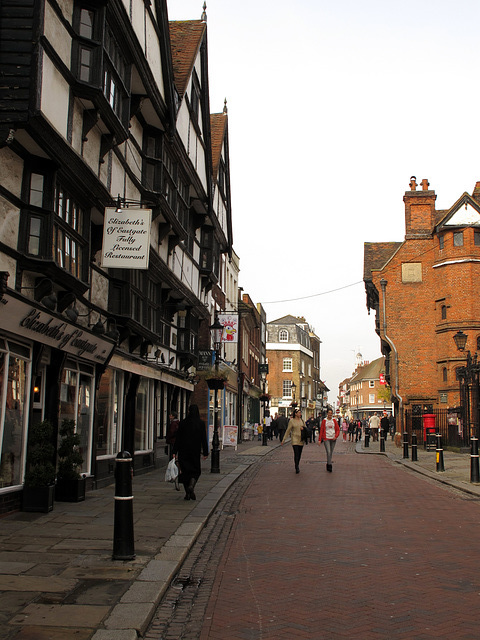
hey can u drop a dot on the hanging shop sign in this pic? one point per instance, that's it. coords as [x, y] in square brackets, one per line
[31, 322]
[126, 238]
[230, 323]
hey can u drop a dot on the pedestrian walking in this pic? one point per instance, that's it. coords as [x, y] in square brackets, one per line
[295, 426]
[385, 425]
[329, 432]
[374, 423]
[282, 424]
[190, 442]
[345, 425]
[274, 426]
[358, 435]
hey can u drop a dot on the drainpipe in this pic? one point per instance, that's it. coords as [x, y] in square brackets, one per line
[383, 284]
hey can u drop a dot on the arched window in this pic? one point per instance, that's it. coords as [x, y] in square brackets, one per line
[445, 374]
[283, 335]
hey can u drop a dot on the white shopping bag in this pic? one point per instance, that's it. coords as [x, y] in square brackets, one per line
[171, 474]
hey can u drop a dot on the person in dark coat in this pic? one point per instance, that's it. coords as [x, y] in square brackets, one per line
[282, 424]
[190, 442]
[172, 432]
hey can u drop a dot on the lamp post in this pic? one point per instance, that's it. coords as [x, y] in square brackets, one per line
[216, 331]
[294, 388]
[469, 375]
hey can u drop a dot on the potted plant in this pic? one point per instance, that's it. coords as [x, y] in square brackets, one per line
[215, 378]
[70, 483]
[39, 483]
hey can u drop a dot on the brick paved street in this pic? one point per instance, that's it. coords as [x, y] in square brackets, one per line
[371, 551]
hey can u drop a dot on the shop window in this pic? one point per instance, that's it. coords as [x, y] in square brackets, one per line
[14, 382]
[76, 403]
[107, 415]
[143, 440]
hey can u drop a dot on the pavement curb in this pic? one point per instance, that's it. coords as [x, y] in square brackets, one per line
[131, 617]
[473, 489]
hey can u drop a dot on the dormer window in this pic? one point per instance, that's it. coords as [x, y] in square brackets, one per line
[283, 335]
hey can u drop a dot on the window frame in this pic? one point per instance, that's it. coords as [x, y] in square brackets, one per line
[285, 361]
[457, 237]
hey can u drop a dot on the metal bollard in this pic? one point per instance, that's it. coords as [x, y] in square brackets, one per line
[405, 445]
[414, 448]
[382, 440]
[474, 469]
[367, 438]
[440, 463]
[123, 541]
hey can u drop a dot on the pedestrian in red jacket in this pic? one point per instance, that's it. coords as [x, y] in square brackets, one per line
[329, 432]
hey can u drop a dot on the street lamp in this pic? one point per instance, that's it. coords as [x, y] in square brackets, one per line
[294, 388]
[469, 376]
[263, 370]
[216, 331]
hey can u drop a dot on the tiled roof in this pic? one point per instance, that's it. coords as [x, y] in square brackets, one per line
[376, 254]
[218, 125]
[370, 371]
[185, 38]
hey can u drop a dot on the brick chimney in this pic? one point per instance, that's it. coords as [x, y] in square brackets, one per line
[476, 192]
[419, 210]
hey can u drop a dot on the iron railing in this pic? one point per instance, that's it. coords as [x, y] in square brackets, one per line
[450, 423]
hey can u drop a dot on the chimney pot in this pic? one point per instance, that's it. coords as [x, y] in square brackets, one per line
[425, 184]
[413, 183]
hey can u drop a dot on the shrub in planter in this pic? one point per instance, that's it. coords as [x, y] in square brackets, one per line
[39, 484]
[70, 483]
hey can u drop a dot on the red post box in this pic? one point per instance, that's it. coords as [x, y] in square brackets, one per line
[429, 430]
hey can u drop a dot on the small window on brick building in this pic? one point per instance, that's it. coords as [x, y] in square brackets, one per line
[371, 384]
[444, 312]
[283, 335]
[287, 364]
[476, 237]
[445, 374]
[478, 343]
[441, 242]
[458, 239]
[371, 398]
[287, 389]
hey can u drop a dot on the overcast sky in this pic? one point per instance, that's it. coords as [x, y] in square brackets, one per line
[332, 107]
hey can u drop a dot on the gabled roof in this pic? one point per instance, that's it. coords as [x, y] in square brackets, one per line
[465, 212]
[369, 371]
[376, 255]
[288, 320]
[186, 37]
[218, 127]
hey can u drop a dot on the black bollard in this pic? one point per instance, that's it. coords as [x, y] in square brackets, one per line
[414, 448]
[123, 542]
[405, 444]
[367, 438]
[382, 440]
[440, 463]
[474, 469]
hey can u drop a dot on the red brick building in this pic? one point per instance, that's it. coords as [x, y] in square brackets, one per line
[423, 290]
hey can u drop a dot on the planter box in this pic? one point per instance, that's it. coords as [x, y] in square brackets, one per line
[70, 490]
[215, 383]
[39, 499]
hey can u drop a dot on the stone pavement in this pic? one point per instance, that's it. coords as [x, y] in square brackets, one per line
[57, 576]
